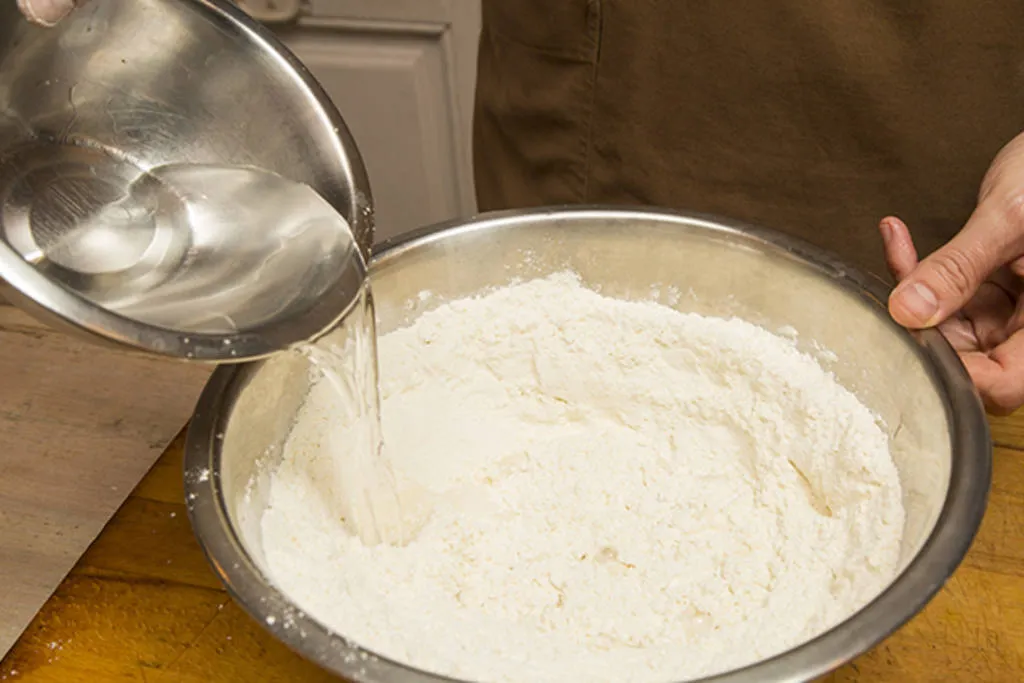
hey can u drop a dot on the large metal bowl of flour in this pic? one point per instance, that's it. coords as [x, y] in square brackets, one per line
[913, 381]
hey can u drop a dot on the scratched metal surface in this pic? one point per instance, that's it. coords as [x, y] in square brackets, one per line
[152, 82]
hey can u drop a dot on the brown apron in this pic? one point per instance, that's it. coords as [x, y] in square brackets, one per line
[812, 117]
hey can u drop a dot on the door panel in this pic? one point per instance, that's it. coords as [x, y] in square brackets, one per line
[402, 73]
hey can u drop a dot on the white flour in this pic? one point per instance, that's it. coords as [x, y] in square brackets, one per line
[608, 491]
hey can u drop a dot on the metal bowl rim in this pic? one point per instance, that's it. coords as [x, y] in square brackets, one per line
[924, 576]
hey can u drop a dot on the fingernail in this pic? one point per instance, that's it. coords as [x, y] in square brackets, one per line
[46, 12]
[919, 301]
[886, 229]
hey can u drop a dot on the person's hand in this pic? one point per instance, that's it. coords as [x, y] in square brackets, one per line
[971, 288]
[46, 12]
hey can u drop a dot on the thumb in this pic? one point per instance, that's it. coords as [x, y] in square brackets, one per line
[945, 281]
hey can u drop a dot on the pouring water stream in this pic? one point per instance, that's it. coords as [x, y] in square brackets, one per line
[208, 249]
[348, 363]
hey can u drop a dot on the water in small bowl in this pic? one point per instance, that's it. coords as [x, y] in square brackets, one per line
[192, 248]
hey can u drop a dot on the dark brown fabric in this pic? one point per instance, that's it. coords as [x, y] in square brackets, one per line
[816, 118]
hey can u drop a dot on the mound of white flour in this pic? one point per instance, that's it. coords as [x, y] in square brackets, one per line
[608, 491]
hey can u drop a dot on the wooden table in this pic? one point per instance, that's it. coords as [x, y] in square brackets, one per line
[142, 605]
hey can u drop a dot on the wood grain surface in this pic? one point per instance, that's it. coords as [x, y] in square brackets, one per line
[80, 426]
[141, 605]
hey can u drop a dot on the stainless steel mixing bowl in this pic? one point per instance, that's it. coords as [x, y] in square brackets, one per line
[914, 382]
[123, 86]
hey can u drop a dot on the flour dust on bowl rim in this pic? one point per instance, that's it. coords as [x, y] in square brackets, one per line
[914, 382]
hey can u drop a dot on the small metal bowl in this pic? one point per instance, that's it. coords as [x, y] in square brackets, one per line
[915, 382]
[121, 87]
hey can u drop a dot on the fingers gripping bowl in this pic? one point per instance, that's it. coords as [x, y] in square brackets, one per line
[914, 383]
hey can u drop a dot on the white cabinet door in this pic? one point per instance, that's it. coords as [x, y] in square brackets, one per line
[402, 73]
